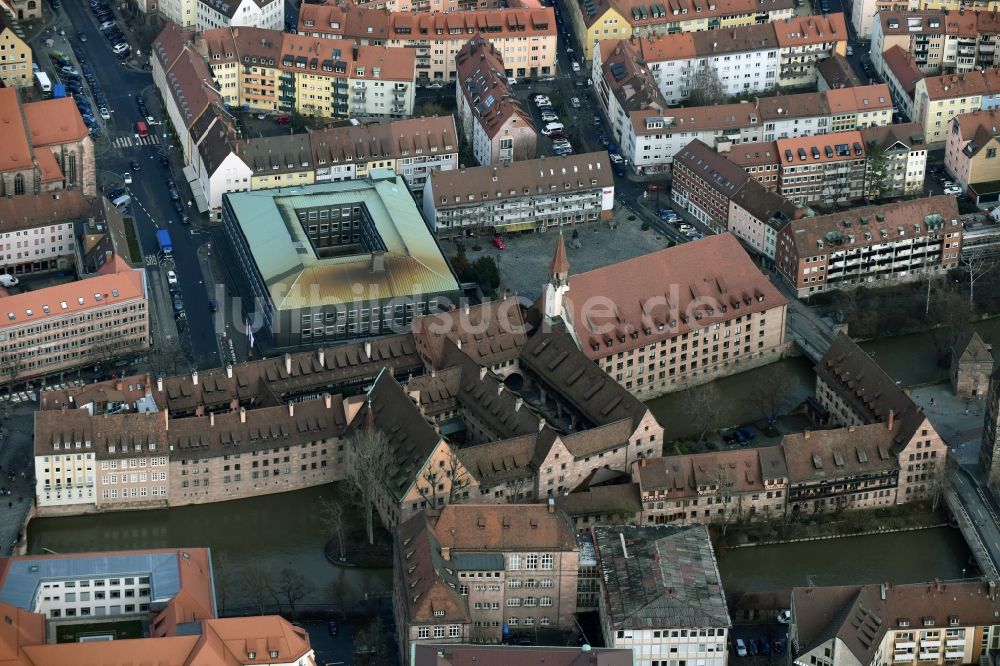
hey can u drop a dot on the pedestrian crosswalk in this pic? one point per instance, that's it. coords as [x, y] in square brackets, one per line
[129, 141]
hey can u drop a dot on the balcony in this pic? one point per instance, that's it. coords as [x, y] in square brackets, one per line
[929, 656]
[900, 658]
[955, 642]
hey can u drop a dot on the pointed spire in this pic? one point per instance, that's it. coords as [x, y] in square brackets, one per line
[559, 269]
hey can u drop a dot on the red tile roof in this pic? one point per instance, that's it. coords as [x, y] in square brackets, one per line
[666, 293]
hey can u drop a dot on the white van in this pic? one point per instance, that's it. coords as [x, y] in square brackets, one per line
[122, 202]
[552, 127]
[8, 281]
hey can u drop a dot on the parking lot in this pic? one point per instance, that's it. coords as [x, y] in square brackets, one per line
[766, 643]
[524, 263]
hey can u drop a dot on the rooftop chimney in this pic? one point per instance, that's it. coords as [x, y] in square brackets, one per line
[806, 434]
[229, 370]
[892, 418]
[211, 419]
[291, 409]
[552, 505]
[445, 553]
[288, 363]
[194, 377]
[159, 384]
[243, 415]
[321, 355]
[518, 401]
[368, 348]
[541, 424]
[482, 373]
[328, 400]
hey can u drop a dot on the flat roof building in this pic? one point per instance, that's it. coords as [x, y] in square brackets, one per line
[661, 593]
[336, 261]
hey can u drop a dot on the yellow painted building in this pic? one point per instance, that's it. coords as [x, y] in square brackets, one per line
[598, 20]
[938, 99]
[15, 57]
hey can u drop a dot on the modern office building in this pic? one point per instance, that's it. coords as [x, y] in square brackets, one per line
[336, 261]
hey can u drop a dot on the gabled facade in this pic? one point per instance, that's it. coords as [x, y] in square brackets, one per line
[896, 163]
[970, 153]
[269, 14]
[16, 70]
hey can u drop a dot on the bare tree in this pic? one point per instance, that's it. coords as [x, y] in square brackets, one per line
[370, 643]
[772, 394]
[725, 495]
[518, 489]
[455, 476]
[704, 86]
[225, 579]
[977, 264]
[331, 515]
[701, 405]
[292, 586]
[458, 476]
[257, 585]
[372, 457]
[11, 367]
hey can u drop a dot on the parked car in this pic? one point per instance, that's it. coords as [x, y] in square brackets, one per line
[171, 277]
[549, 117]
[128, 178]
[178, 206]
[135, 165]
[333, 627]
[784, 616]
[174, 195]
[178, 303]
[105, 114]
[574, 102]
[953, 189]
[498, 243]
[741, 648]
[213, 305]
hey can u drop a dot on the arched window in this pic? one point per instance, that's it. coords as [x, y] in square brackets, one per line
[19, 183]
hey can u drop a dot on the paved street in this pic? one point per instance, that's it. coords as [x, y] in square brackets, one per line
[152, 207]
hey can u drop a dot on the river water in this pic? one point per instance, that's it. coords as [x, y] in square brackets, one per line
[934, 553]
[271, 532]
[279, 531]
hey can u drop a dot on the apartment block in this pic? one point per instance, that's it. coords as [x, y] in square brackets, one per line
[651, 603]
[493, 118]
[67, 326]
[970, 154]
[533, 195]
[938, 99]
[15, 56]
[719, 315]
[901, 73]
[896, 242]
[853, 391]
[473, 655]
[865, 13]
[482, 569]
[212, 14]
[649, 133]
[595, 21]
[169, 592]
[524, 36]
[897, 160]
[38, 233]
[938, 39]
[933, 622]
[757, 214]
[703, 184]
[747, 59]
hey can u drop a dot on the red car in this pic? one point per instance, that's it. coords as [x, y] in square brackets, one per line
[498, 243]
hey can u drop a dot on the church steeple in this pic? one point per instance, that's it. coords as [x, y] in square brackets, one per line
[559, 268]
[558, 285]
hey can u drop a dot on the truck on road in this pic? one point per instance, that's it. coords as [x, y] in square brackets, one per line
[163, 238]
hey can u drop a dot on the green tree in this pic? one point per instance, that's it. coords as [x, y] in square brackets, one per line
[876, 170]
[487, 275]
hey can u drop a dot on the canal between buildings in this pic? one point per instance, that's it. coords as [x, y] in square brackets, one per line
[274, 532]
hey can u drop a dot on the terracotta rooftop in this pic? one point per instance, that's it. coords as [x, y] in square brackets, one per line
[666, 293]
[906, 135]
[497, 23]
[53, 122]
[641, 13]
[838, 72]
[833, 147]
[810, 29]
[482, 76]
[769, 207]
[628, 77]
[903, 68]
[382, 140]
[16, 153]
[54, 303]
[431, 585]
[871, 225]
[687, 45]
[970, 84]
[659, 577]
[928, 22]
[498, 528]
